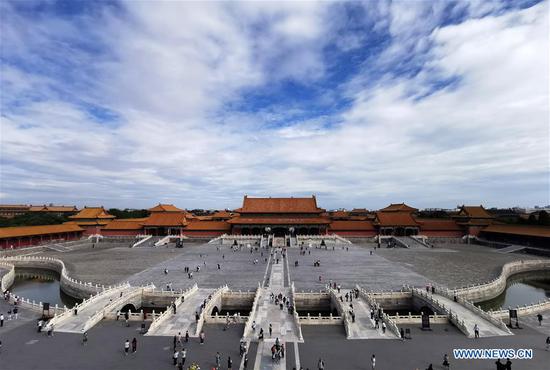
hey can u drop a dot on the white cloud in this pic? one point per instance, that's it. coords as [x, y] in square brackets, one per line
[169, 75]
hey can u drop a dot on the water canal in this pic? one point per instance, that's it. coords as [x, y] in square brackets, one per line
[521, 289]
[41, 286]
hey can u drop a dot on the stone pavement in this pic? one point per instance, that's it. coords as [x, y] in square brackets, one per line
[282, 322]
[486, 328]
[348, 267]
[77, 323]
[452, 265]
[237, 268]
[184, 319]
[364, 327]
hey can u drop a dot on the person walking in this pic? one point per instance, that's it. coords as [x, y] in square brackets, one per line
[39, 325]
[539, 318]
[373, 362]
[182, 357]
[508, 364]
[50, 330]
[15, 312]
[446, 363]
[201, 337]
[270, 329]
[245, 361]
[218, 360]
[85, 338]
[186, 336]
[547, 343]
[127, 318]
[175, 357]
[1, 320]
[476, 331]
[383, 327]
[229, 363]
[126, 347]
[134, 345]
[321, 364]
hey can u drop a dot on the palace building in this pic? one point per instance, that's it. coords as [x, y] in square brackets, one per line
[280, 216]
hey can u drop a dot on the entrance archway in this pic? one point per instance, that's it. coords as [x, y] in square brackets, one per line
[128, 307]
[245, 231]
[279, 231]
[215, 311]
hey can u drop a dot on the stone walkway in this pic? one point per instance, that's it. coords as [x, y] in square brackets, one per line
[76, 323]
[486, 328]
[363, 327]
[282, 322]
[184, 319]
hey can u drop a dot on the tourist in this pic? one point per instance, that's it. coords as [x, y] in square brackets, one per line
[430, 367]
[117, 315]
[321, 364]
[1, 320]
[39, 325]
[253, 325]
[476, 331]
[245, 361]
[261, 335]
[175, 341]
[182, 357]
[126, 347]
[270, 330]
[229, 363]
[178, 338]
[218, 360]
[373, 361]
[539, 318]
[402, 333]
[197, 316]
[201, 337]
[175, 357]
[50, 330]
[508, 364]
[186, 336]
[85, 338]
[446, 363]
[9, 315]
[383, 327]
[134, 345]
[547, 343]
[127, 318]
[500, 365]
[15, 311]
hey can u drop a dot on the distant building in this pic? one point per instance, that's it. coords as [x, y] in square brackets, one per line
[91, 219]
[281, 216]
[12, 210]
[23, 236]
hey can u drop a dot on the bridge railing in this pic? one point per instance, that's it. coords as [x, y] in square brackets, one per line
[159, 320]
[209, 306]
[390, 323]
[252, 314]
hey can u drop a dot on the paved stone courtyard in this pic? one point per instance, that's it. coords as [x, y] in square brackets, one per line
[385, 269]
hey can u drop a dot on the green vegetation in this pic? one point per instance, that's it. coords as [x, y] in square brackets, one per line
[128, 213]
[33, 219]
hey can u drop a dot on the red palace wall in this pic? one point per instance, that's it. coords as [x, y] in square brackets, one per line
[349, 233]
[442, 233]
[121, 232]
[203, 233]
[28, 241]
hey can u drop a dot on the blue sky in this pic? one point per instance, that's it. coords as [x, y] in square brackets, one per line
[127, 104]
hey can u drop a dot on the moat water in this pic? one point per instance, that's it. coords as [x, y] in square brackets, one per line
[41, 286]
[523, 289]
